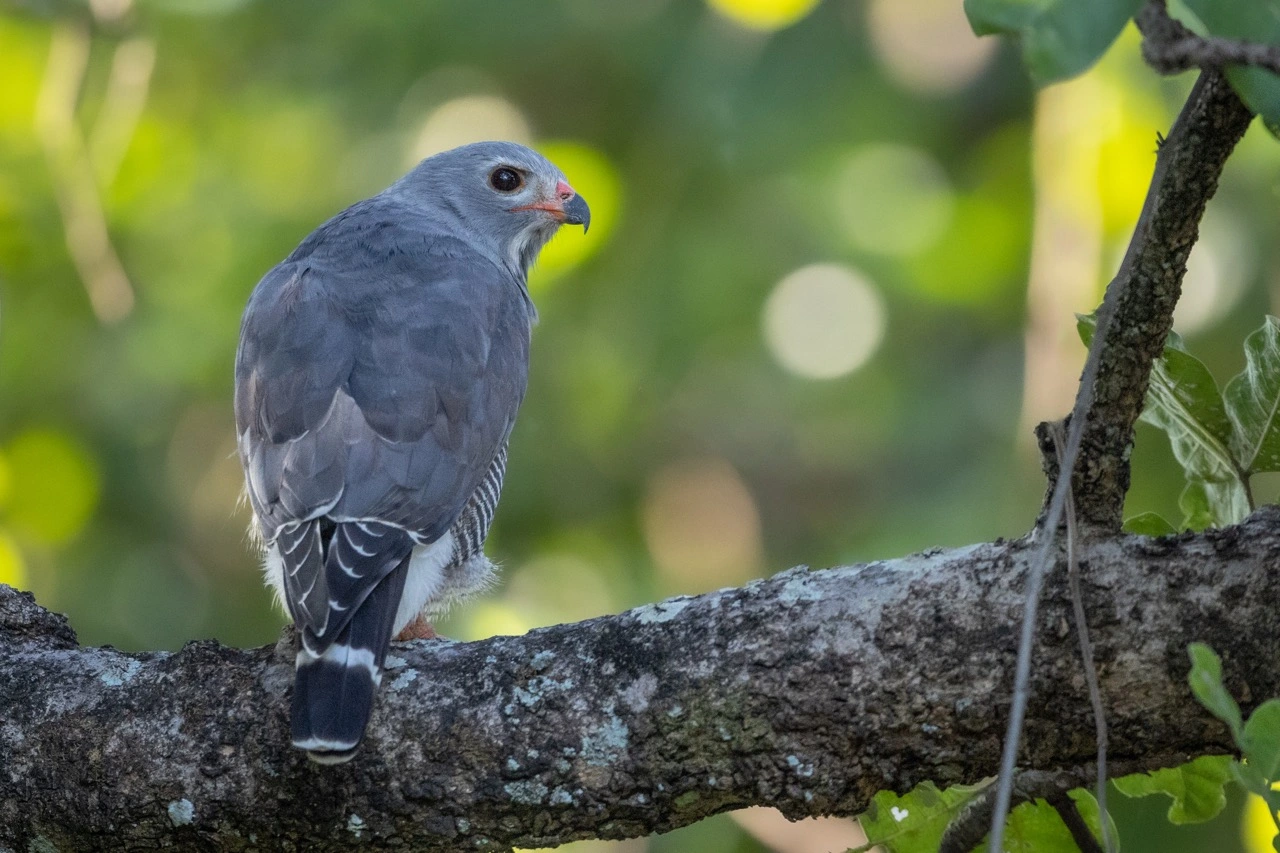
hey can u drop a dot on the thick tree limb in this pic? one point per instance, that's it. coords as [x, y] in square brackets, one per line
[808, 692]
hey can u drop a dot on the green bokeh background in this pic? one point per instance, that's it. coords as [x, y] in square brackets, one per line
[665, 447]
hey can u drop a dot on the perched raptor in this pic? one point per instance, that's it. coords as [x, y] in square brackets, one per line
[379, 372]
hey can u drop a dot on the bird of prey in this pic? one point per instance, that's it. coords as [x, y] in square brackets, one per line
[379, 372]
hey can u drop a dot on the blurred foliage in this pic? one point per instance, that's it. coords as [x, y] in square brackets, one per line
[690, 422]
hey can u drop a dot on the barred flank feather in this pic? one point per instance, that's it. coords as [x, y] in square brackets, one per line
[472, 526]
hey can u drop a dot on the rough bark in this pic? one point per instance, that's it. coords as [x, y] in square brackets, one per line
[809, 692]
[1144, 293]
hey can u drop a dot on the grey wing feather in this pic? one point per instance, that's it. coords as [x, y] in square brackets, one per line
[379, 373]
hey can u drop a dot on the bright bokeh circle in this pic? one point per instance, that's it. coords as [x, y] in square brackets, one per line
[823, 321]
[471, 118]
[927, 45]
[764, 15]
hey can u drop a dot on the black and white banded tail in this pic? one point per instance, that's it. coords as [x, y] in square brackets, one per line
[345, 617]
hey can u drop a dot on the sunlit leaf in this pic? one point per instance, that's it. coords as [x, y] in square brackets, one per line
[1260, 741]
[916, 820]
[1205, 679]
[1060, 38]
[1149, 524]
[1196, 788]
[1253, 401]
[1254, 20]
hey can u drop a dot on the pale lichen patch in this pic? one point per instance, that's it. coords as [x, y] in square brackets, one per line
[117, 672]
[639, 692]
[404, 679]
[663, 611]
[607, 743]
[182, 812]
[528, 792]
[801, 587]
[355, 824]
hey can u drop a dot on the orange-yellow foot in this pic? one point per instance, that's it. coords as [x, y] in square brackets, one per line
[418, 629]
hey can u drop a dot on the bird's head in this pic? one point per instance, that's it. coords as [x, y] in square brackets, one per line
[506, 196]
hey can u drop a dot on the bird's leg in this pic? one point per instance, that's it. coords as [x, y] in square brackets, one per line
[418, 629]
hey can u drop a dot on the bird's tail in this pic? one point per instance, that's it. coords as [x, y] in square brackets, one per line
[334, 690]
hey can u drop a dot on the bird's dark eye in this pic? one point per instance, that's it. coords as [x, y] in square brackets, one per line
[505, 179]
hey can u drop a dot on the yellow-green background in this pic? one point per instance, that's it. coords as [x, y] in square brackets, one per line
[697, 416]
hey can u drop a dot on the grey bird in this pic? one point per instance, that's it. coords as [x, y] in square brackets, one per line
[379, 372]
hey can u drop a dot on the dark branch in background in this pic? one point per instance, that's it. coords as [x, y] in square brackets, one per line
[1169, 47]
[1133, 322]
[810, 692]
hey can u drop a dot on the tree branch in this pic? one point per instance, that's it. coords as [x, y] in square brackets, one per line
[1169, 47]
[1133, 322]
[1137, 313]
[809, 692]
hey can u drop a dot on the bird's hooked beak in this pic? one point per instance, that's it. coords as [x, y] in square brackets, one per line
[567, 206]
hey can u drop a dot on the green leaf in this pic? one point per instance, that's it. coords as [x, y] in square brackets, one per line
[916, 820]
[1149, 524]
[1205, 679]
[1253, 401]
[1260, 741]
[1087, 806]
[1251, 779]
[1038, 828]
[1212, 504]
[1251, 20]
[1060, 38]
[1197, 512]
[1183, 400]
[1196, 787]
